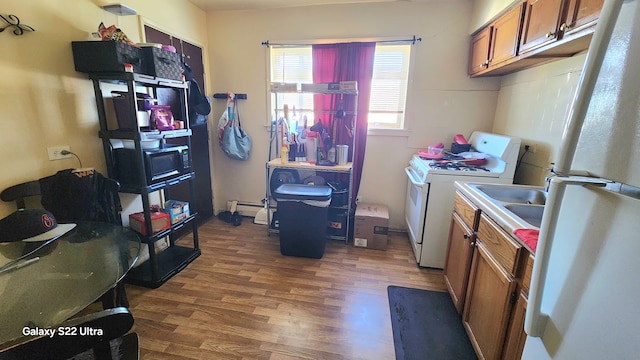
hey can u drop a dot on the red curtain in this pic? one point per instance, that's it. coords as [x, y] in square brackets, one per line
[345, 62]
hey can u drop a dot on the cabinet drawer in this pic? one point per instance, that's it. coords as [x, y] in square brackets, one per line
[526, 276]
[466, 210]
[501, 246]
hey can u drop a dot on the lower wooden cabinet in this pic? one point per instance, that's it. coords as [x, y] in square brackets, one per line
[516, 337]
[487, 274]
[487, 307]
[458, 261]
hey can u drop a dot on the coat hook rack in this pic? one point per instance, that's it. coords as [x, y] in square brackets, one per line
[13, 21]
[225, 95]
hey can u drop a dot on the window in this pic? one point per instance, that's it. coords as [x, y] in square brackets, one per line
[389, 86]
[294, 64]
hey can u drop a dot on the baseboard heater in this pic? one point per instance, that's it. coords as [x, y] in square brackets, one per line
[246, 208]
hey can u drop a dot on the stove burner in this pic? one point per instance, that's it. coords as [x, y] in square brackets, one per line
[456, 166]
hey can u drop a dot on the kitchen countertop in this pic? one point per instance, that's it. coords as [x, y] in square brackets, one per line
[495, 209]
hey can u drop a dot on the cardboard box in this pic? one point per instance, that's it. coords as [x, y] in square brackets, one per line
[371, 226]
[177, 210]
[160, 220]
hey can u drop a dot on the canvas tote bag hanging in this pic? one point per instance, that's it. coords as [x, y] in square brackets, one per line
[236, 143]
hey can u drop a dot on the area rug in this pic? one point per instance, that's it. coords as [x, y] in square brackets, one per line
[426, 326]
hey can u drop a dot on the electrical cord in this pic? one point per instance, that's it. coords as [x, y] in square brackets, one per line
[67, 152]
[519, 162]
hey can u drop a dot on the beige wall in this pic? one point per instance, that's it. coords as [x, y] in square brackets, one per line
[534, 104]
[442, 100]
[486, 10]
[43, 101]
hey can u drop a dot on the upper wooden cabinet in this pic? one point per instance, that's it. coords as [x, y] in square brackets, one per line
[546, 21]
[505, 36]
[479, 56]
[533, 32]
[541, 23]
[497, 43]
[581, 14]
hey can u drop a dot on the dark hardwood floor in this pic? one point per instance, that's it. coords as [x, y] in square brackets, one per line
[241, 299]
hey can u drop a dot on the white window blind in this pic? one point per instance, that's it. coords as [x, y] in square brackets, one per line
[294, 64]
[389, 86]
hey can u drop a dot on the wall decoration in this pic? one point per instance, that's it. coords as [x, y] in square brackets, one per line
[13, 22]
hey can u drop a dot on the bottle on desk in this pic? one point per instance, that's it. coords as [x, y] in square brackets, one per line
[284, 153]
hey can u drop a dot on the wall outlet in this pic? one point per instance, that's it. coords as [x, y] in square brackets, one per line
[55, 152]
[532, 148]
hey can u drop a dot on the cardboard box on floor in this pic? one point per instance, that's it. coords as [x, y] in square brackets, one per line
[371, 226]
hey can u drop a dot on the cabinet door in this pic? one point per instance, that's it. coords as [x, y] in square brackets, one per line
[479, 57]
[505, 36]
[488, 304]
[458, 261]
[541, 22]
[516, 337]
[581, 14]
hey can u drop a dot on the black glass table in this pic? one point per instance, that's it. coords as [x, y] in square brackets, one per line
[44, 284]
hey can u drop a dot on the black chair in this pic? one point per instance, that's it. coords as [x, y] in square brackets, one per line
[101, 335]
[76, 196]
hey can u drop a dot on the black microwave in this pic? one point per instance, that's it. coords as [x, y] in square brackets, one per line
[159, 164]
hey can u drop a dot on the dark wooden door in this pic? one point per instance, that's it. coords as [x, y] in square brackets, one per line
[192, 56]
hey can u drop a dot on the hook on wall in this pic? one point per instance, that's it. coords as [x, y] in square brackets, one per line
[13, 21]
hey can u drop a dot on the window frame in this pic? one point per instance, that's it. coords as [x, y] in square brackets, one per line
[372, 127]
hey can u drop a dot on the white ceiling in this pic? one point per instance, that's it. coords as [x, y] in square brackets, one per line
[222, 5]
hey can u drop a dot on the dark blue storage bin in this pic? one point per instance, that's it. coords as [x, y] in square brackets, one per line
[302, 211]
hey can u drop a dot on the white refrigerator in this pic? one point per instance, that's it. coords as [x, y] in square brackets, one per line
[584, 301]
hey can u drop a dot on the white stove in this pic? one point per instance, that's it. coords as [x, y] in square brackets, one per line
[430, 191]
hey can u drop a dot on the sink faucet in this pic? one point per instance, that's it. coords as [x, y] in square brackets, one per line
[552, 174]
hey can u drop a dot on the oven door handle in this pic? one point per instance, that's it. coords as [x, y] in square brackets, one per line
[411, 178]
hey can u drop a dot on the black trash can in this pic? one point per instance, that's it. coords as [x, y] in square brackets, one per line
[302, 211]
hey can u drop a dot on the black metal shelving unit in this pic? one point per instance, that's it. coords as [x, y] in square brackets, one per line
[161, 266]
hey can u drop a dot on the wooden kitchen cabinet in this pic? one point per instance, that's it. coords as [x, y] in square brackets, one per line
[497, 43]
[580, 15]
[464, 219]
[516, 337]
[548, 21]
[505, 36]
[458, 260]
[541, 23]
[488, 274]
[491, 292]
[488, 304]
[479, 56]
[533, 32]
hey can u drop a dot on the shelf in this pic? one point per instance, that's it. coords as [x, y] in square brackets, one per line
[164, 233]
[170, 262]
[333, 88]
[144, 135]
[118, 77]
[160, 266]
[130, 189]
[298, 165]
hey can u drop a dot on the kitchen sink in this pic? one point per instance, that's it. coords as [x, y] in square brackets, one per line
[532, 214]
[514, 194]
